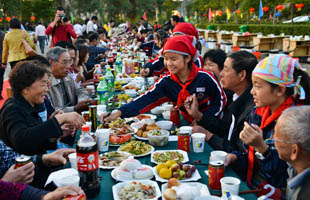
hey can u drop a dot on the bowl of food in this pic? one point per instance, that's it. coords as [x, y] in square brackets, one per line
[166, 125]
[157, 110]
[131, 92]
[168, 107]
[158, 138]
[166, 115]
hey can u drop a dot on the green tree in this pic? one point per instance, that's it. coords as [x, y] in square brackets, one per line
[9, 8]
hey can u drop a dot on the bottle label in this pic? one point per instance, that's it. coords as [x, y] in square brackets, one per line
[87, 161]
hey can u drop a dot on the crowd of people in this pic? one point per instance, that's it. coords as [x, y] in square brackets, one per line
[256, 111]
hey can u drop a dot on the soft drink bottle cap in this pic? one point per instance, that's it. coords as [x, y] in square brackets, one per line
[101, 78]
[85, 128]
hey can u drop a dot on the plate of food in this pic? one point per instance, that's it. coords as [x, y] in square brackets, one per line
[146, 116]
[162, 156]
[136, 190]
[119, 126]
[132, 169]
[143, 129]
[137, 148]
[113, 159]
[116, 140]
[187, 190]
[183, 172]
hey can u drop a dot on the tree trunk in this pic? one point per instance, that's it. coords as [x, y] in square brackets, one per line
[157, 12]
[292, 13]
[132, 15]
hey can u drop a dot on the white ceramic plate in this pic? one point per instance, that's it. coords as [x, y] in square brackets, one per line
[203, 189]
[131, 133]
[154, 117]
[148, 153]
[112, 167]
[113, 174]
[151, 117]
[118, 186]
[141, 138]
[195, 177]
[184, 153]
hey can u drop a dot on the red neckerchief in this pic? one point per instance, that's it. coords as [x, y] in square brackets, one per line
[266, 120]
[183, 94]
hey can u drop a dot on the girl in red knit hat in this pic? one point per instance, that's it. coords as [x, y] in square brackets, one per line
[185, 79]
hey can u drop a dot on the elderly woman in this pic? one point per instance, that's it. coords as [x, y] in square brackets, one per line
[20, 125]
[13, 47]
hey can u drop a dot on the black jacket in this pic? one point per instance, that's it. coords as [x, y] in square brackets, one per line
[240, 109]
[21, 128]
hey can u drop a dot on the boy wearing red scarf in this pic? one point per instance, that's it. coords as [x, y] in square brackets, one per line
[185, 79]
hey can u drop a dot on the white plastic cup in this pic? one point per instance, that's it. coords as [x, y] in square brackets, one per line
[103, 136]
[90, 89]
[230, 185]
[73, 160]
[198, 140]
[218, 155]
[69, 180]
[101, 109]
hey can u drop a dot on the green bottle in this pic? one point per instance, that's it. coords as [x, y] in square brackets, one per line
[109, 78]
[102, 91]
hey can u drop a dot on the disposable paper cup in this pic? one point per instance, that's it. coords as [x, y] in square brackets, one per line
[230, 185]
[102, 136]
[198, 142]
[90, 89]
[101, 109]
[218, 155]
[73, 160]
[69, 180]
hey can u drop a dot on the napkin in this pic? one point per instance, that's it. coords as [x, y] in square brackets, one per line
[58, 175]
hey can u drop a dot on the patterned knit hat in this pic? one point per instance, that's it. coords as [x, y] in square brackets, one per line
[277, 69]
[185, 28]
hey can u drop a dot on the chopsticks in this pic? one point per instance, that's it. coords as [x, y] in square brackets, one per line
[198, 162]
[177, 107]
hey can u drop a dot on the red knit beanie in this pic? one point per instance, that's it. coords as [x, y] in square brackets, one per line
[181, 44]
[185, 28]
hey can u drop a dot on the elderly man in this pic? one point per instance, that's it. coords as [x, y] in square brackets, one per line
[292, 140]
[65, 94]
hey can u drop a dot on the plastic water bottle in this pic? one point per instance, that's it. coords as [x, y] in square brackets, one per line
[102, 91]
[109, 78]
[97, 72]
[119, 66]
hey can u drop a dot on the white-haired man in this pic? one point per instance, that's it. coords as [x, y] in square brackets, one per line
[292, 140]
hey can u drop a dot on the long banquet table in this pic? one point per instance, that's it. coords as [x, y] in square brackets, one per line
[107, 181]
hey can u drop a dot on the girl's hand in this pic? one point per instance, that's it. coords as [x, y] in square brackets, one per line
[191, 106]
[253, 135]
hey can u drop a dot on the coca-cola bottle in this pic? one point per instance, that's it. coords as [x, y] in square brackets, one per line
[88, 165]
